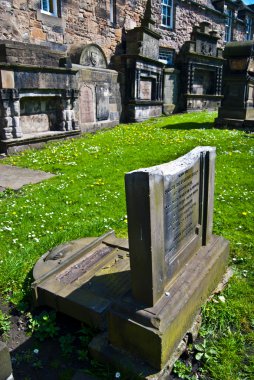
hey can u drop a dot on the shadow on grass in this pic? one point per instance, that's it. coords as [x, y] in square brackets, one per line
[189, 126]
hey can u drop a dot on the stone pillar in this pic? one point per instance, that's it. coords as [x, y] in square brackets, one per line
[171, 90]
[9, 114]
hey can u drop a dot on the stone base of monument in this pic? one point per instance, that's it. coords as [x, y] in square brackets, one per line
[11, 146]
[101, 350]
[82, 278]
[229, 123]
[154, 334]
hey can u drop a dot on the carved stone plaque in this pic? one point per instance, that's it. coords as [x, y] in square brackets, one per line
[150, 47]
[181, 209]
[145, 89]
[102, 102]
[86, 106]
[92, 55]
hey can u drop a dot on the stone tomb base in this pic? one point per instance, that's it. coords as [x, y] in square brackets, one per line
[89, 279]
[154, 334]
[34, 141]
[83, 278]
[229, 123]
[138, 112]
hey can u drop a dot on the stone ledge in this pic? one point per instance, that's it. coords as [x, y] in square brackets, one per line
[34, 141]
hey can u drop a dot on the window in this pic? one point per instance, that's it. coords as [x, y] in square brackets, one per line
[50, 7]
[166, 56]
[113, 11]
[167, 13]
[249, 30]
[228, 25]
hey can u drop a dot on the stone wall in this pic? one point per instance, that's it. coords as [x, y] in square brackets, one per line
[88, 21]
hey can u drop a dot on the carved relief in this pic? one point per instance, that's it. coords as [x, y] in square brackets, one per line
[92, 55]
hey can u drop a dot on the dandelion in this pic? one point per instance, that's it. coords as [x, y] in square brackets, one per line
[117, 375]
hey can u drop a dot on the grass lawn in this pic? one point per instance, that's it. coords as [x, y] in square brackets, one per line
[87, 198]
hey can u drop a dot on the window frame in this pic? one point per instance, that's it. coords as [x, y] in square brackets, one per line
[249, 28]
[112, 12]
[167, 13]
[50, 4]
[167, 52]
[229, 24]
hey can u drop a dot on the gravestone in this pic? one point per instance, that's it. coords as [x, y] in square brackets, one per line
[141, 72]
[150, 288]
[201, 65]
[86, 107]
[175, 263]
[169, 210]
[102, 102]
[99, 93]
[236, 109]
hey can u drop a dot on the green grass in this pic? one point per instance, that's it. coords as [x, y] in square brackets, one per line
[87, 198]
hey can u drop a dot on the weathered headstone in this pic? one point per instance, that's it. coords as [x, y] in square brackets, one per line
[175, 262]
[102, 102]
[236, 109]
[87, 114]
[170, 210]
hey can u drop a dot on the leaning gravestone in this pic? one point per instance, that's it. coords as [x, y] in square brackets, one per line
[170, 210]
[175, 263]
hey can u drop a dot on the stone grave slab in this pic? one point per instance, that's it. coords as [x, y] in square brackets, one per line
[87, 113]
[102, 102]
[13, 177]
[83, 278]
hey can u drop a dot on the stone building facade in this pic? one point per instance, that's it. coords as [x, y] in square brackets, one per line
[64, 27]
[59, 24]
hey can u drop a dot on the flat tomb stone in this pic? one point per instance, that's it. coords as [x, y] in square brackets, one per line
[82, 278]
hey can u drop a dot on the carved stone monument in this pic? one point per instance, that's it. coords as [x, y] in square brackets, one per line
[151, 288]
[37, 96]
[99, 94]
[141, 74]
[237, 108]
[201, 65]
